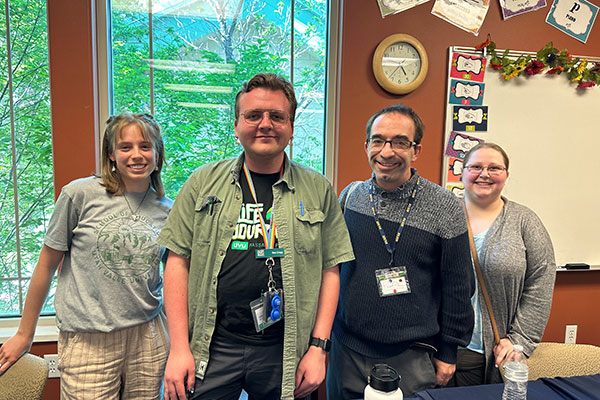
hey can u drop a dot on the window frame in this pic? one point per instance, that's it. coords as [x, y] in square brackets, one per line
[46, 330]
[331, 79]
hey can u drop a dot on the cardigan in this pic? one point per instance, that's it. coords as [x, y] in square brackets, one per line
[517, 263]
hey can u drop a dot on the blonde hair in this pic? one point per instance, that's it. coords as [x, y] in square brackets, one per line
[111, 178]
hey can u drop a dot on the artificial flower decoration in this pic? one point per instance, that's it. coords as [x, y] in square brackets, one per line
[484, 44]
[549, 59]
[534, 67]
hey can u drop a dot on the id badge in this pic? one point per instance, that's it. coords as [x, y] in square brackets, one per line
[269, 253]
[267, 309]
[392, 281]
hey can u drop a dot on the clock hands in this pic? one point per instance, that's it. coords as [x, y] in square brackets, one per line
[400, 66]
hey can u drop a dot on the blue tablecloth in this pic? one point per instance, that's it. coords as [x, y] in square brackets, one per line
[576, 388]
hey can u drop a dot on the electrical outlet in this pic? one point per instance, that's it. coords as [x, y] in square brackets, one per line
[571, 334]
[52, 361]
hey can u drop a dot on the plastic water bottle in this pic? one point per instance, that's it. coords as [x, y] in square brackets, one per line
[383, 384]
[516, 372]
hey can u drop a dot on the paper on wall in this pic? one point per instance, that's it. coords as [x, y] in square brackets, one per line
[465, 14]
[510, 8]
[389, 7]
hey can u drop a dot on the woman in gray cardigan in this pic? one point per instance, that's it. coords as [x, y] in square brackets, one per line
[517, 262]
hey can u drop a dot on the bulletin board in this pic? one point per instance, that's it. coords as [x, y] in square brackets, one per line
[551, 132]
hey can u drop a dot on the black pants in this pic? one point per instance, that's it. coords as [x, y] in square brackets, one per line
[348, 371]
[235, 366]
[470, 369]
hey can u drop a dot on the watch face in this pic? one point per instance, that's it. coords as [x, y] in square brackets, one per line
[401, 63]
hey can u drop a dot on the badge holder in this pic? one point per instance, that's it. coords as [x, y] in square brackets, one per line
[392, 281]
[268, 308]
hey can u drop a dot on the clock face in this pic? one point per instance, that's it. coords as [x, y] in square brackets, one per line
[401, 63]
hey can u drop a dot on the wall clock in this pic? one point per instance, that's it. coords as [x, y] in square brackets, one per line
[400, 63]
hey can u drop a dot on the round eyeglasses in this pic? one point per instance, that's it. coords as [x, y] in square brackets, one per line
[254, 117]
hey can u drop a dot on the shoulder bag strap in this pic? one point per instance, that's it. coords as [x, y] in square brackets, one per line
[480, 279]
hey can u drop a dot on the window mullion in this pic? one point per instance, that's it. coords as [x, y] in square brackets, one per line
[14, 151]
[292, 26]
[150, 57]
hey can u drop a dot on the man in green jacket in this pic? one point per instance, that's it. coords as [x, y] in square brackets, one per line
[252, 279]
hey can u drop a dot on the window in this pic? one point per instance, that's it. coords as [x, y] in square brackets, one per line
[184, 61]
[26, 174]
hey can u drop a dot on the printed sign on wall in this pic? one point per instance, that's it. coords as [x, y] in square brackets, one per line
[457, 189]
[459, 144]
[466, 92]
[468, 67]
[470, 118]
[510, 8]
[573, 17]
[455, 167]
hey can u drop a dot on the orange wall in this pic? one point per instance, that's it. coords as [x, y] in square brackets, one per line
[73, 110]
[72, 93]
[575, 302]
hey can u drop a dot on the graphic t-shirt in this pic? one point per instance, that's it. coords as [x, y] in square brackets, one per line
[110, 277]
[243, 277]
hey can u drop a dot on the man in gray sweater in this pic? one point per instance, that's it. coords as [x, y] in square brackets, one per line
[405, 300]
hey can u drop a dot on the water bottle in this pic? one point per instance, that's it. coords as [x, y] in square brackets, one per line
[383, 384]
[515, 375]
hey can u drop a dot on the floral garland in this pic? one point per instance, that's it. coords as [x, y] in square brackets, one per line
[548, 59]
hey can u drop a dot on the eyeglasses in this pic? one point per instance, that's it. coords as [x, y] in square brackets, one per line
[396, 143]
[254, 117]
[491, 169]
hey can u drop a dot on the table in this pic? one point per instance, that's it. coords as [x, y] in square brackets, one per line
[575, 388]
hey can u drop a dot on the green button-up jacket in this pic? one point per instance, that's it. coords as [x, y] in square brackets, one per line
[310, 227]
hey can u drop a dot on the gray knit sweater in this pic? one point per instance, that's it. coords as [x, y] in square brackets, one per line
[434, 248]
[517, 261]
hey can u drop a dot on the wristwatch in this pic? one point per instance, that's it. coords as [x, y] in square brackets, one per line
[325, 344]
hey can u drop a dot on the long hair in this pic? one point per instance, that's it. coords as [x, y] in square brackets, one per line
[111, 178]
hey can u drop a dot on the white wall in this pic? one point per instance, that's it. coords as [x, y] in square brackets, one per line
[551, 132]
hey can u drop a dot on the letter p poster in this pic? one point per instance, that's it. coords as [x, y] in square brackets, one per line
[573, 17]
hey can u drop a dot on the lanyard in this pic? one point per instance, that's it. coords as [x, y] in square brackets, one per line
[268, 233]
[400, 228]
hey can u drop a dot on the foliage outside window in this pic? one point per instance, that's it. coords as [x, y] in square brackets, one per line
[184, 61]
[26, 175]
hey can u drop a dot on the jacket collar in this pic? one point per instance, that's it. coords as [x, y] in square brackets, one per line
[287, 177]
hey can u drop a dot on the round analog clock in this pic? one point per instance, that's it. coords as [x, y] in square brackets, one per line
[400, 63]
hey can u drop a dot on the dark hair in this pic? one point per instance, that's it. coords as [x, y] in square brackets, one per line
[150, 130]
[272, 82]
[487, 145]
[400, 109]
